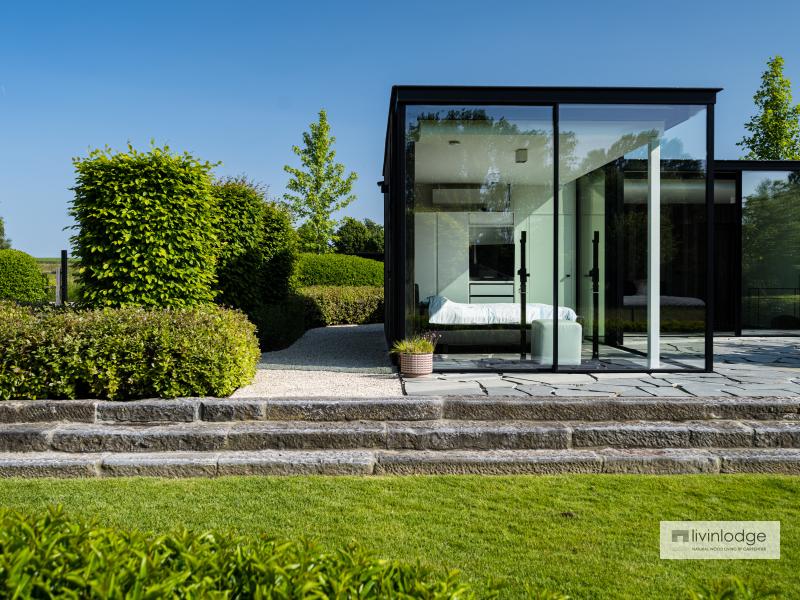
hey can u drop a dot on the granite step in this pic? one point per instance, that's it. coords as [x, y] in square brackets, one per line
[407, 408]
[401, 462]
[438, 435]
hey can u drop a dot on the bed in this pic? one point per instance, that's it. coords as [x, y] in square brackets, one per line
[443, 311]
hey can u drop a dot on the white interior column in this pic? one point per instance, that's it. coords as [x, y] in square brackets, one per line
[654, 254]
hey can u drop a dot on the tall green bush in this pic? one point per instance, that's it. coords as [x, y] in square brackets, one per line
[241, 226]
[257, 252]
[124, 353]
[21, 278]
[146, 228]
[337, 269]
[280, 252]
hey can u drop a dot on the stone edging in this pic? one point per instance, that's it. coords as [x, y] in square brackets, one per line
[403, 408]
[381, 462]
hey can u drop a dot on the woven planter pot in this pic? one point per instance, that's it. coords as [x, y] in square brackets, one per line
[416, 365]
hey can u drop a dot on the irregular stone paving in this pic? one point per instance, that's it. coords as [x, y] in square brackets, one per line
[745, 367]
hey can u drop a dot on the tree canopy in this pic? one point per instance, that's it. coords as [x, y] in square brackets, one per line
[318, 188]
[4, 242]
[775, 128]
[357, 237]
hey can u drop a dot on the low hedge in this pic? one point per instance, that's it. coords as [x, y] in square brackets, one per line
[124, 353]
[50, 555]
[21, 278]
[340, 305]
[337, 269]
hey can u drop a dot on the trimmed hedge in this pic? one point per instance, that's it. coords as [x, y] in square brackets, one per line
[239, 280]
[257, 246]
[342, 305]
[337, 269]
[146, 226]
[51, 554]
[124, 353]
[21, 278]
[318, 306]
[279, 245]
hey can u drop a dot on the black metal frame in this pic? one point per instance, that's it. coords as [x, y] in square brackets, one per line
[394, 173]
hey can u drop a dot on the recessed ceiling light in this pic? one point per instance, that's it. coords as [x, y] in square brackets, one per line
[521, 155]
[454, 142]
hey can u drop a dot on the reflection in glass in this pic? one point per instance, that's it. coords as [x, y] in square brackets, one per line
[612, 160]
[771, 251]
[477, 178]
[626, 235]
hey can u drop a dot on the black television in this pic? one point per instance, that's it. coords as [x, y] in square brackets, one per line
[491, 262]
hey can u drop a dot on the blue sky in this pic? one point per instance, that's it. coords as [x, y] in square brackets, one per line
[238, 82]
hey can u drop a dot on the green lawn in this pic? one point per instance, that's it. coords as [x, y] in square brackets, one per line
[589, 536]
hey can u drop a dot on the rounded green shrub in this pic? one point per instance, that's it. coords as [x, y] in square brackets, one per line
[147, 228]
[50, 553]
[21, 279]
[337, 269]
[125, 353]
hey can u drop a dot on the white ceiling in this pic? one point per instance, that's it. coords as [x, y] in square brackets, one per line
[483, 156]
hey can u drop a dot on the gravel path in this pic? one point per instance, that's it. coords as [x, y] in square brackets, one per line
[344, 360]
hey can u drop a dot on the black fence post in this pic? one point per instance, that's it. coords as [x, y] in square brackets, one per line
[63, 282]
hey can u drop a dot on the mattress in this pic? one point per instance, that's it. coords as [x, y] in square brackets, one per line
[442, 311]
[640, 300]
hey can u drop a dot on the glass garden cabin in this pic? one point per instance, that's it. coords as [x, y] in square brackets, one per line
[556, 229]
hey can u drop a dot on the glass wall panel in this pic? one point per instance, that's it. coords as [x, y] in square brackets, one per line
[632, 236]
[478, 179]
[727, 271]
[771, 252]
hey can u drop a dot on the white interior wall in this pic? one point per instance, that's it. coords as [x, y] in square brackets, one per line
[592, 218]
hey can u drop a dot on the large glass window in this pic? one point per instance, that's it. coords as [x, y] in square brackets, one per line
[478, 178]
[771, 251]
[607, 274]
[632, 243]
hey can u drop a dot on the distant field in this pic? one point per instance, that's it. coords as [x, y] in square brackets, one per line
[49, 267]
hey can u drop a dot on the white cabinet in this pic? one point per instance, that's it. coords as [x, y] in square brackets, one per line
[425, 253]
[452, 257]
[441, 255]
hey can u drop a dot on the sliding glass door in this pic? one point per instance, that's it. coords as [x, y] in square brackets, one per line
[632, 255]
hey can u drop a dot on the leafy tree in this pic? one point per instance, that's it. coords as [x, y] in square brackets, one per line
[319, 188]
[308, 241]
[775, 130]
[356, 237]
[4, 242]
